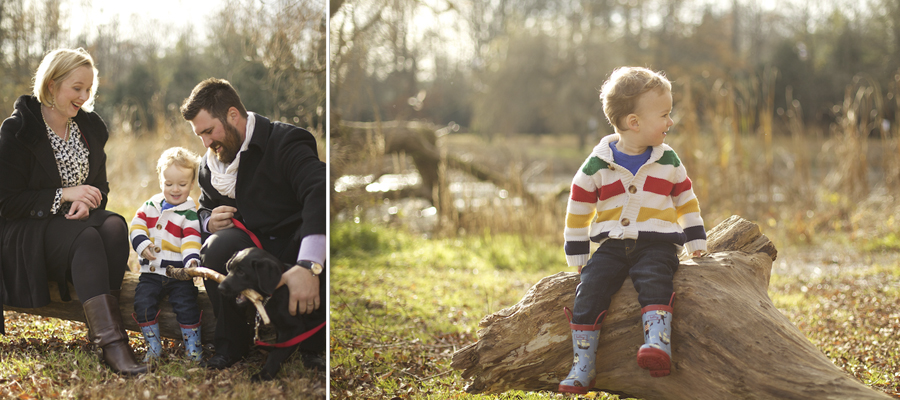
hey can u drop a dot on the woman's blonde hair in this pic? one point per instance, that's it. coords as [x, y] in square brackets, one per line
[179, 156]
[620, 92]
[56, 67]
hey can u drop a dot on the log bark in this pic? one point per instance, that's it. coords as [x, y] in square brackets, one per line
[168, 326]
[728, 341]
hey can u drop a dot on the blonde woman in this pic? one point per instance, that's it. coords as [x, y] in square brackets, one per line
[54, 225]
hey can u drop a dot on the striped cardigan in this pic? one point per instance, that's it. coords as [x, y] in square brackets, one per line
[607, 202]
[176, 231]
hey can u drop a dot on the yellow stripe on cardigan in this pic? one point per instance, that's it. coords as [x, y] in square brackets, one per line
[166, 246]
[139, 228]
[579, 220]
[667, 215]
[692, 206]
[612, 214]
[190, 245]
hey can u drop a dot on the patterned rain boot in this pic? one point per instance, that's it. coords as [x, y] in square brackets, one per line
[584, 343]
[151, 336]
[193, 348]
[656, 354]
[150, 330]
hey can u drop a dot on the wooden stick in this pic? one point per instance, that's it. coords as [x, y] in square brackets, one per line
[186, 274]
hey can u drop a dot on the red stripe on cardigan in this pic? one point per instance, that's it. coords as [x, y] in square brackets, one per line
[681, 187]
[658, 186]
[174, 229]
[613, 189]
[584, 196]
[150, 222]
[190, 232]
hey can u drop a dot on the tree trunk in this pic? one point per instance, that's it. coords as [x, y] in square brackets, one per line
[168, 326]
[728, 341]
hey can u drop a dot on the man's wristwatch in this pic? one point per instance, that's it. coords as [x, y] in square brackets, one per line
[313, 267]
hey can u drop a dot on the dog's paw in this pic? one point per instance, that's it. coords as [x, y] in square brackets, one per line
[261, 377]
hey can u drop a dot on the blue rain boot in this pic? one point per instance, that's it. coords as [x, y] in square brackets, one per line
[150, 330]
[656, 354]
[584, 343]
[193, 348]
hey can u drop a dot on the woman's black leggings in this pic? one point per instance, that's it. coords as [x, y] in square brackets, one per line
[99, 258]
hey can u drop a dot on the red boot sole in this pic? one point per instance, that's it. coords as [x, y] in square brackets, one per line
[655, 360]
[576, 389]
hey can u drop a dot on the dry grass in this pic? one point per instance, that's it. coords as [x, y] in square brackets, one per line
[51, 358]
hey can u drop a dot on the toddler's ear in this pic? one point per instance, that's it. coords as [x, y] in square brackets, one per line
[632, 121]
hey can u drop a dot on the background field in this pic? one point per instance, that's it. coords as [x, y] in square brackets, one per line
[273, 52]
[405, 298]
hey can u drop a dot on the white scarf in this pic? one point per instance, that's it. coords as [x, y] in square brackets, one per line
[224, 176]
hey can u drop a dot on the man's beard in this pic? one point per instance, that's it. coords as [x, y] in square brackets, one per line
[230, 146]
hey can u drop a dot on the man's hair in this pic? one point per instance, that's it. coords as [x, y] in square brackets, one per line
[215, 96]
[625, 85]
[56, 66]
[180, 157]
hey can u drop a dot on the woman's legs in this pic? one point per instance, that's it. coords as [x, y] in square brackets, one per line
[96, 272]
[90, 269]
[114, 233]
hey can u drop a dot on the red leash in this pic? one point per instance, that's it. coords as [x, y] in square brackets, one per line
[297, 339]
[253, 237]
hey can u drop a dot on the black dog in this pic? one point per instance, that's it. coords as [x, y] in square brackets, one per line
[256, 269]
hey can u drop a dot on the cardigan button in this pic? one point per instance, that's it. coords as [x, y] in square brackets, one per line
[632, 189]
[625, 222]
[158, 226]
[152, 269]
[612, 167]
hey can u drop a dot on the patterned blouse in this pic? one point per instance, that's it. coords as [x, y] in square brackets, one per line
[72, 161]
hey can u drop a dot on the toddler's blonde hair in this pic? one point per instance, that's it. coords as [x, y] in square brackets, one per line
[179, 156]
[625, 85]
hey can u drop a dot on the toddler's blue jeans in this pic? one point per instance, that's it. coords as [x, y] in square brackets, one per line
[152, 288]
[650, 264]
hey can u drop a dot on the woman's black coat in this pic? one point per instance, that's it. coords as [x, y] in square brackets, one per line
[29, 178]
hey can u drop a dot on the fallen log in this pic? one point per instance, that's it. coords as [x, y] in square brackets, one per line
[728, 341]
[168, 326]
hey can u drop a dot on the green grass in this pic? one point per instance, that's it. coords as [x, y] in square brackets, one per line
[852, 317]
[402, 305]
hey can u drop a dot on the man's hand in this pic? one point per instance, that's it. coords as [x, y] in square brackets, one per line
[86, 194]
[220, 218]
[79, 211]
[304, 289]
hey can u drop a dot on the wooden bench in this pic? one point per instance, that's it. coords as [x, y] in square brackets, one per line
[168, 326]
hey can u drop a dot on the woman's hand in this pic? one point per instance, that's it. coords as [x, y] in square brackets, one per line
[86, 194]
[79, 211]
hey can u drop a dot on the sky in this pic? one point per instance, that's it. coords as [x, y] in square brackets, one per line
[163, 19]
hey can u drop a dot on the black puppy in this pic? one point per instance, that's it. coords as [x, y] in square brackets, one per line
[256, 269]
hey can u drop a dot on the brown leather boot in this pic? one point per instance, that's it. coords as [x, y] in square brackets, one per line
[106, 330]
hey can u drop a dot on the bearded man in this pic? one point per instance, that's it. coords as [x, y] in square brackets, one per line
[262, 184]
